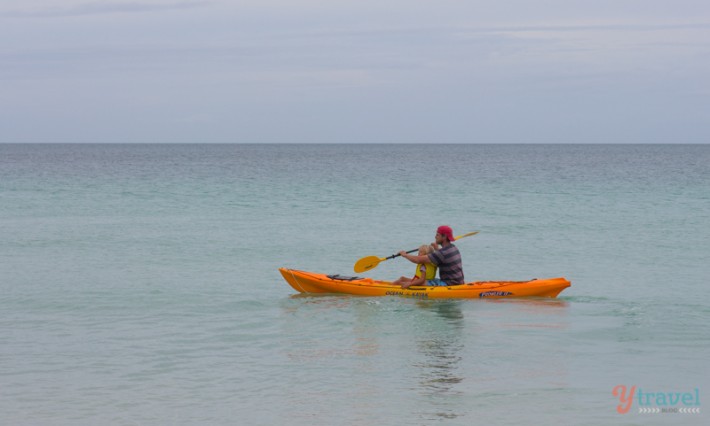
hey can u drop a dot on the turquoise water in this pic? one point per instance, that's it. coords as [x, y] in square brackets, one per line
[139, 283]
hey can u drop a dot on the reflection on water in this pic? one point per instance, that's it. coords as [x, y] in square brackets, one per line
[435, 357]
[531, 302]
[531, 310]
[447, 309]
[331, 313]
[440, 346]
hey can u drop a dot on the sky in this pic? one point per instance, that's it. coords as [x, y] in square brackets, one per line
[346, 71]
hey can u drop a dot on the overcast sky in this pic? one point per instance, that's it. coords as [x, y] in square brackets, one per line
[457, 71]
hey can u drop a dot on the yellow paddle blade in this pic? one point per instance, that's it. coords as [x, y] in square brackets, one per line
[367, 263]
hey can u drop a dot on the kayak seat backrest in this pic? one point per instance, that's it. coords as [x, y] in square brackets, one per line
[343, 278]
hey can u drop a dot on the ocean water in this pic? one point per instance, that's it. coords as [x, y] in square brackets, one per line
[139, 284]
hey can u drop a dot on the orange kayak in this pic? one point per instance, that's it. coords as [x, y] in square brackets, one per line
[311, 282]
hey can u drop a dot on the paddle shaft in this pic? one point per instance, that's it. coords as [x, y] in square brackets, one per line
[397, 255]
[371, 262]
[455, 238]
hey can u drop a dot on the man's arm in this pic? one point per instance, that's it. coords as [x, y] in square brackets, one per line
[415, 259]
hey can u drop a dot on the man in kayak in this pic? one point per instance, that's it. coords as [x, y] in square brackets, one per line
[447, 258]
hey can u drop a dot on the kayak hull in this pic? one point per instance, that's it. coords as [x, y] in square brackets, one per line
[313, 283]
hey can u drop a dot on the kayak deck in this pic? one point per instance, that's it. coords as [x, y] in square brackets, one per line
[311, 282]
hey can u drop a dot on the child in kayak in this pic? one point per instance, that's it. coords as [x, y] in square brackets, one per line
[424, 271]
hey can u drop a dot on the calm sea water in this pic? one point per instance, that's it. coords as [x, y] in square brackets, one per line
[139, 283]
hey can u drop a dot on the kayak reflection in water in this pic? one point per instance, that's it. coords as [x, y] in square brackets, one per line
[425, 271]
[447, 259]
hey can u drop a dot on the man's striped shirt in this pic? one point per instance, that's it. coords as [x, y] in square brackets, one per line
[448, 259]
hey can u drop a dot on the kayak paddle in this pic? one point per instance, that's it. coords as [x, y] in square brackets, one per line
[371, 262]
